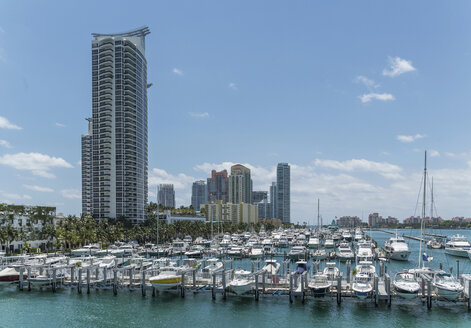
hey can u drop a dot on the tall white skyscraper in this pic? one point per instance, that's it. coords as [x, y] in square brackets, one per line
[119, 125]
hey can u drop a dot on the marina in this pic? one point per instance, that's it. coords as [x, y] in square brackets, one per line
[276, 276]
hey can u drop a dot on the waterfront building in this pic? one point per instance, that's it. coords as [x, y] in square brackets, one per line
[218, 187]
[258, 196]
[374, 220]
[170, 218]
[349, 221]
[87, 173]
[229, 212]
[27, 220]
[166, 195]
[283, 192]
[119, 126]
[198, 194]
[240, 185]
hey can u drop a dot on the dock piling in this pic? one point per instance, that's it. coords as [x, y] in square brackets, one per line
[339, 290]
[256, 286]
[348, 271]
[79, 284]
[54, 279]
[214, 287]
[290, 288]
[88, 280]
[143, 283]
[429, 294]
[115, 282]
[224, 284]
[29, 277]
[376, 290]
[21, 278]
[182, 285]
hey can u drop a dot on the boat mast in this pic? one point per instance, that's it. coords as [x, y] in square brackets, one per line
[423, 208]
[318, 227]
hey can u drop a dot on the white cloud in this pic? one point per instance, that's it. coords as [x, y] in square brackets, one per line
[5, 143]
[71, 193]
[38, 164]
[233, 86]
[5, 123]
[398, 66]
[407, 139]
[434, 153]
[61, 125]
[378, 96]
[177, 71]
[38, 188]
[199, 115]
[387, 170]
[27, 197]
[369, 83]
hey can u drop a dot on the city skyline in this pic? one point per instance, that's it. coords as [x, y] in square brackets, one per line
[350, 109]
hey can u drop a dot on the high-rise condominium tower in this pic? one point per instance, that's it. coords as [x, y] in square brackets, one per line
[119, 125]
[240, 185]
[218, 187]
[198, 194]
[283, 198]
[166, 195]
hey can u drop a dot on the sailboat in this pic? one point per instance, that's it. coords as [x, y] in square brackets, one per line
[319, 254]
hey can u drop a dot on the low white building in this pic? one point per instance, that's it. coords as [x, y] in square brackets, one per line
[28, 222]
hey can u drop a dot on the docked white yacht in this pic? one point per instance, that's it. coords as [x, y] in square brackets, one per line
[458, 246]
[319, 254]
[243, 282]
[363, 279]
[297, 253]
[329, 243]
[331, 271]
[313, 242]
[397, 249]
[447, 286]
[406, 285]
[319, 284]
[364, 251]
[86, 250]
[212, 266]
[344, 252]
[256, 251]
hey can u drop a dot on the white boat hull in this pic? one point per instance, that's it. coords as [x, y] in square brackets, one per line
[448, 294]
[456, 252]
[399, 255]
[241, 288]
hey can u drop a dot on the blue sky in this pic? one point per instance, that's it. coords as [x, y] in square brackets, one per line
[350, 93]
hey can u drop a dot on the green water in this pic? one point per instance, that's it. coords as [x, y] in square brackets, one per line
[66, 308]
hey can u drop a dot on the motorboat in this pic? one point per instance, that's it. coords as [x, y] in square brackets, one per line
[313, 242]
[434, 243]
[346, 235]
[243, 282]
[364, 251]
[256, 251]
[406, 285]
[297, 253]
[447, 286]
[344, 252]
[179, 247]
[358, 235]
[283, 242]
[458, 246]
[363, 279]
[226, 241]
[319, 284]
[397, 249]
[107, 262]
[190, 264]
[212, 266]
[268, 248]
[86, 250]
[329, 243]
[331, 271]
[46, 279]
[11, 275]
[188, 240]
[235, 252]
[196, 251]
[319, 254]
[271, 267]
[168, 277]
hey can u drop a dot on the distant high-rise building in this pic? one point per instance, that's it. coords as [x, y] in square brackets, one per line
[240, 185]
[258, 196]
[273, 195]
[198, 194]
[218, 187]
[119, 126]
[87, 189]
[283, 199]
[166, 195]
